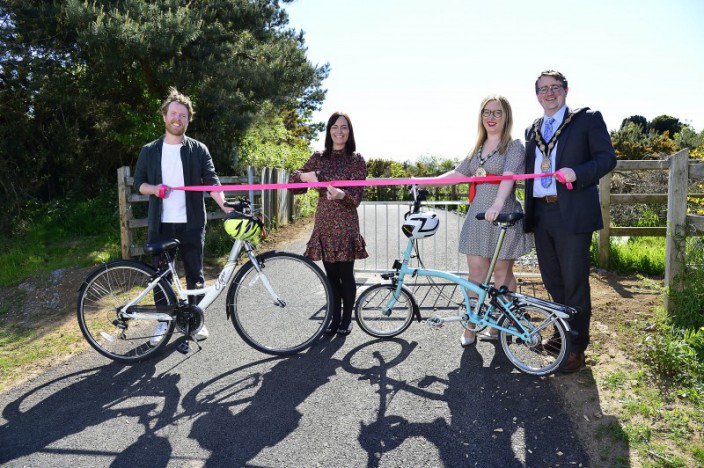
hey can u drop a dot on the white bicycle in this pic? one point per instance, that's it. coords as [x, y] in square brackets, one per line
[278, 302]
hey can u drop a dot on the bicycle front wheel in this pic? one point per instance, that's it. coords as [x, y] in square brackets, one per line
[374, 317]
[109, 288]
[546, 352]
[283, 309]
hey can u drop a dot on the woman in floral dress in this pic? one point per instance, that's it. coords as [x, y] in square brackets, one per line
[336, 239]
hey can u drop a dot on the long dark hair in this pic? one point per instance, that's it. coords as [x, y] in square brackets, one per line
[350, 145]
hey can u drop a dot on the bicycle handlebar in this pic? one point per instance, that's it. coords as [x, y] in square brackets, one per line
[419, 196]
[242, 206]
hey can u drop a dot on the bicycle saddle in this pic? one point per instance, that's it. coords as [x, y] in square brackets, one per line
[155, 248]
[510, 218]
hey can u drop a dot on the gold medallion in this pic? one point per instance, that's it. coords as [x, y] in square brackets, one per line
[480, 172]
[545, 165]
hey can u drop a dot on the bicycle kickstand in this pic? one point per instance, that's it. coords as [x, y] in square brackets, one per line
[185, 348]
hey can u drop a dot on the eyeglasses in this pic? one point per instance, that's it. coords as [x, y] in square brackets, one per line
[497, 114]
[554, 88]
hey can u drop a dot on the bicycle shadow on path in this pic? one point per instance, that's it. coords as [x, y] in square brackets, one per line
[58, 411]
[239, 415]
[496, 417]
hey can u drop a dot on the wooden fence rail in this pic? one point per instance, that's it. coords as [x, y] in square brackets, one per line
[276, 205]
[680, 172]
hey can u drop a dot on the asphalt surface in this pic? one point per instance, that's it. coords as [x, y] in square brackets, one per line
[416, 400]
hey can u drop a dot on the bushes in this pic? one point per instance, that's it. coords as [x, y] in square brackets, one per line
[676, 346]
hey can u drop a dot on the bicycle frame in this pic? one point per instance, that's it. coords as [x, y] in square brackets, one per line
[501, 300]
[211, 293]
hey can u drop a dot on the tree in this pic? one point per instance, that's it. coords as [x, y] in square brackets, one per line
[638, 120]
[665, 123]
[689, 138]
[630, 143]
[83, 81]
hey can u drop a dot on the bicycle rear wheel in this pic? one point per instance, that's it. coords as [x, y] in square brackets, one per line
[285, 327]
[104, 292]
[546, 352]
[371, 315]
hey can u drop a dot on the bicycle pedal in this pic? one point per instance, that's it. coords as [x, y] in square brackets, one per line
[435, 322]
[183, 347]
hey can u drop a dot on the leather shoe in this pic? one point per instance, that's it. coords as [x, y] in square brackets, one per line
[575, 362]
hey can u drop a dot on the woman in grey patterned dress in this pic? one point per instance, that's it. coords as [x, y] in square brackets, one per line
[494, 153]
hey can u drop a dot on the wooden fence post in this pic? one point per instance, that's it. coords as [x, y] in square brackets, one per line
[605, 233]
[250, 181]
[676, 218]
[265, 176]
[123, 193]
[282, 198]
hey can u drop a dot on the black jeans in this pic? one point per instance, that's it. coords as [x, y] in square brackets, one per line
[344, 291]
[190, 249]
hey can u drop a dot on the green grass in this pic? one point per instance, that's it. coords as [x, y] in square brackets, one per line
[60, 234]
[615, 380]
[637, 255]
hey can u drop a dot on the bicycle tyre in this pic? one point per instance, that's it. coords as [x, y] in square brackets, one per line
[546, 353]
[370, 316]
[271, 328]
[106, 289]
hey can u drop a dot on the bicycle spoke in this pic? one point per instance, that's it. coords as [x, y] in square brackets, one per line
[105, 292]
[293, 317]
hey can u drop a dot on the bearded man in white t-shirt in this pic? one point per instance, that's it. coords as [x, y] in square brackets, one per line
[175, 160]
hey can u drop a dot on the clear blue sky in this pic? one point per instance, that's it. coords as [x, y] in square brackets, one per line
[412, 73]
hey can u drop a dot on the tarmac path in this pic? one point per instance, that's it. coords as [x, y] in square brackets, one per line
[416, 400]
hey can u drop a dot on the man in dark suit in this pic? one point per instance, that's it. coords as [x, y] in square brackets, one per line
[577, 144]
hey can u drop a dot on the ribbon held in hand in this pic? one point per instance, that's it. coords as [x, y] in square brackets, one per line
[562, 179]
[491, 179]
[163, 191]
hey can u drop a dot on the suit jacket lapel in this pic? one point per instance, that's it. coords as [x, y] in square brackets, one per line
[562, 140]
[530, 152]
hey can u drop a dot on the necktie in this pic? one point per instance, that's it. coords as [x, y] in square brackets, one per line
[547, 134]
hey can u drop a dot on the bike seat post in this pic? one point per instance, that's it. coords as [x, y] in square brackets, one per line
[495, 257]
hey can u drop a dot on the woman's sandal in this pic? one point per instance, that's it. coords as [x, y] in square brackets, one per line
[464, 341]
[489, 336]
[344, 331]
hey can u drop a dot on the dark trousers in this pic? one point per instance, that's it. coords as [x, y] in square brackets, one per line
[563, 258]
[344, 290]
[190, 250]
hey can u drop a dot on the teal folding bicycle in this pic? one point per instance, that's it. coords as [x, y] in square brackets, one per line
[533, 333]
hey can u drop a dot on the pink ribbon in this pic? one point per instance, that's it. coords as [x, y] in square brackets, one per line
[368, 183]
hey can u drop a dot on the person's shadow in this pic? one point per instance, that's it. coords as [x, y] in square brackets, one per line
[499, 417]
[236, 435]
[90, 398]
[523, 420]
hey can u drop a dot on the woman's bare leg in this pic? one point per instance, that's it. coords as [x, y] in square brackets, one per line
[478, 268]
